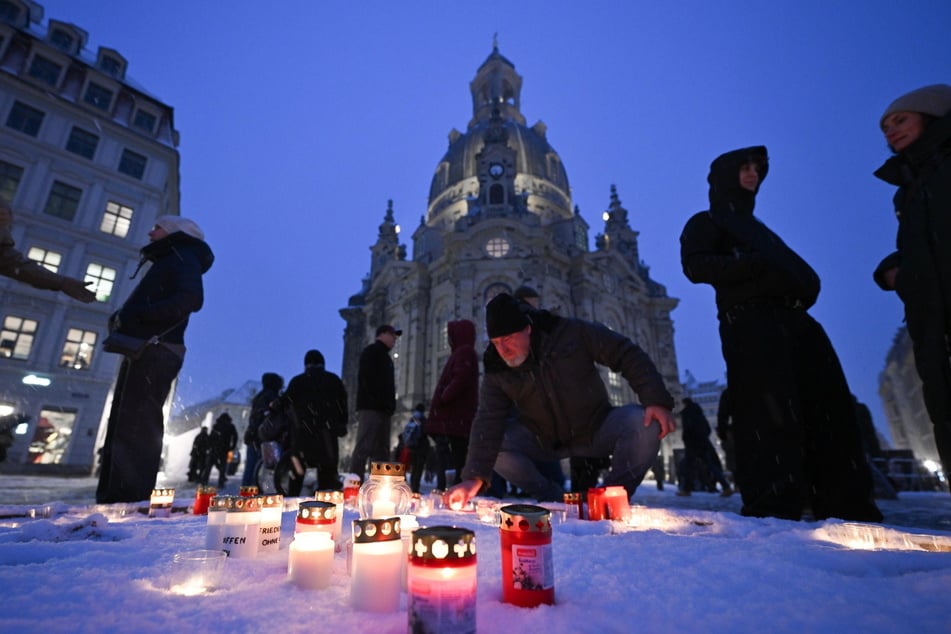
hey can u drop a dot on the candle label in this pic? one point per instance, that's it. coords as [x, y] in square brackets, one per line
[270, 537]
[239, 540]
[442, 606]
[532, 567]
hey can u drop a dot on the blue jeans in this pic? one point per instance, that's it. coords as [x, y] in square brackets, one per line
[622, 436]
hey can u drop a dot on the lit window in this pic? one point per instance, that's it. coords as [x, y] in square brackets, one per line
[104, 279]
[132, 164]
[98, 96]
[82, 143]
[48, 259]
[144, 121]
[25, 118]
[16, 337]
[78, 349]
[46, 70]
[497, 247]
[116, 219]
[63, 201]
[10, 176]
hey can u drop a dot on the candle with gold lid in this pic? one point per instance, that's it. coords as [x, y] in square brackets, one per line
[386, 492]
[528, 577]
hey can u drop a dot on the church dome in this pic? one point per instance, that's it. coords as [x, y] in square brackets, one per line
[539, 170]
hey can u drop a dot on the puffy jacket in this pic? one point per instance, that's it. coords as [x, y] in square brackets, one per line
[736, 253]
[456, 396]
[169, 291]
[558, 391]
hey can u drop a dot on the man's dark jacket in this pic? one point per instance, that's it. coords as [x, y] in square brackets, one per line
[376, 381]
[558, 391]
[319, 403]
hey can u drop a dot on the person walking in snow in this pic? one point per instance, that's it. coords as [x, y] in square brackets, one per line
[797, 440]
[697, 447]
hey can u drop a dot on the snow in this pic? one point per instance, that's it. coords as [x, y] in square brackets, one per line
[72, 566]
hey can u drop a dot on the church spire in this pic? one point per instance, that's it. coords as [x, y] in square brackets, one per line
[496, 86]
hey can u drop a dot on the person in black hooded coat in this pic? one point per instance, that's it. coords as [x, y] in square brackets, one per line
[797, 439]
[159, 306]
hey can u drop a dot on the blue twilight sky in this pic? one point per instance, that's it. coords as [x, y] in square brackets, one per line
[299, 120]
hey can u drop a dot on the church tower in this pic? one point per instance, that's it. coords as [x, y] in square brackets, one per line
[500, 216]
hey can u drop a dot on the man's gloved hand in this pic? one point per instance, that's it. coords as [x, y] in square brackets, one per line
[77, 290]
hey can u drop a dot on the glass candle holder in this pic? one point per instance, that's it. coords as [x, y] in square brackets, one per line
[310, 560]
[442, 581]
[608, 503]
[408, 526]
[528, 576]
[203, 495]
[239, 538]
[272, 512]
[248, 491]
[195, 572]
[315, 516]
[375, 568]
[217, 511]
[160, 503]
[335, 498]
[386, 492]
[487, 510]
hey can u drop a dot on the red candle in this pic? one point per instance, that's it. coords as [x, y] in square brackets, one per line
[248, 491]
[442, 581]
[313, 515]
[608, 503]
[528, 576]
[203, 495]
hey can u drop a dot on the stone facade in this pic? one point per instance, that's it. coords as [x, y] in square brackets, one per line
[500, 216]
[88, 160]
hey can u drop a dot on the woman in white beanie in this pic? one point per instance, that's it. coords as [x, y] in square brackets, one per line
[917, 128]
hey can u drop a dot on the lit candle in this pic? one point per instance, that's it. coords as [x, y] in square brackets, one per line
[351, 490]
[574, 506]
[408, 526]
[272, 512]
[310, 560]
[242, 523]
[608, 503]
[335, 497]
[315, 516]
[160, 504]
[386, 492]
[442, 581]
[203, 495]
[217, 510]
[375, 577]
[528, 577]
[247, 491]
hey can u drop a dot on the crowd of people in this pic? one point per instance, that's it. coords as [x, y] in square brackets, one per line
[789, 424]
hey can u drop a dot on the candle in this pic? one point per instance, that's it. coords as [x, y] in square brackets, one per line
[375, 578]
[608, 503]
[351, 490]
[203, 495]
[195, 572]
[160, 503]
[408, 526]
[386, 493]
[574, 506]
[315, 516]
[335, 497]
[528, 577]
[247, 491]
[217, 510]
[442, 581]
[310, 560]
[239, 538]
[272, 512]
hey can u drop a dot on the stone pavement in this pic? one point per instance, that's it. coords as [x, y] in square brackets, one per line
[918, 510]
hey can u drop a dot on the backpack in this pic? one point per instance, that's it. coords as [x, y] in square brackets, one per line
[275, 426]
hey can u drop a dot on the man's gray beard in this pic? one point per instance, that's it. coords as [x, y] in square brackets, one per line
[514, 363]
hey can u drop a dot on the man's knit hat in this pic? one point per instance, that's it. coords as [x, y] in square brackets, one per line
[505, 315]
[173, 224]
[932, 100]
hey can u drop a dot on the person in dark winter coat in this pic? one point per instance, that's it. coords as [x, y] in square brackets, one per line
[454, 402]
[413, 448]
[17, 266]
[221, 442]
[697, 447]
[198, 455]
[546, 366]
[271, 385]
[318, 402]
[917, 127]
[160, 305]
[376, 400]
[797, 440]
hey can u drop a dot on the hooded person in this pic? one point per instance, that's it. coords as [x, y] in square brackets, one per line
[454, 401]
[15, 265]
[157, 309]
[271, 386]
[917, 128]
[797, 440]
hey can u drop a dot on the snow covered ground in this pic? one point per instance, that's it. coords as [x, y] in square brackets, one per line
[689, 564]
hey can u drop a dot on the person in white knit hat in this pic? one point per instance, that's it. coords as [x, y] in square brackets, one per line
[917, 128]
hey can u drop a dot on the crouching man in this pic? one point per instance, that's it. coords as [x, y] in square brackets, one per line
[542, 398]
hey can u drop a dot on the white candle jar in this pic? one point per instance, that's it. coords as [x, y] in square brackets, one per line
[375, 575]
[242, 523]
[386, 492]
[315, 516]
[160, 503]
[335, 498]
[442, 581]
[217, 511]
[310, 560]
[272, 512]
[408, 526]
